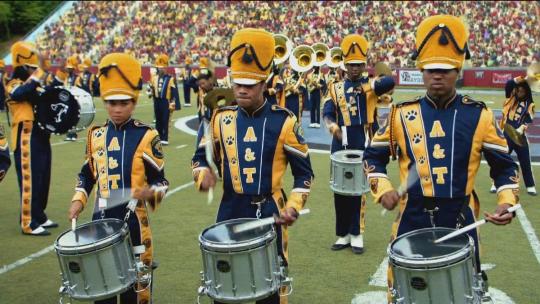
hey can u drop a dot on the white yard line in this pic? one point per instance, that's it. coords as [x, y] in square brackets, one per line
[529, 232]
[379, 278]
[25, 260]
[181, 124]
[181, 146]
[44, 251]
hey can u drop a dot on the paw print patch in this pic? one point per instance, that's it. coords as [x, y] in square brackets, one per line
[422, 160]
[227, 119]
[98, 133]
[100, 152]
[411, 115]
[229, 140]
[417, 138]
[233, 161]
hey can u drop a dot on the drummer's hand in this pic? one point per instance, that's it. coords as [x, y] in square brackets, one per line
[287, 217]
[500, 217]
[75, 209]
[208, 179]
[143, 194]
[390, 199]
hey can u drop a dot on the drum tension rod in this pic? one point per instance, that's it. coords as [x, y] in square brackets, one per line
[431, 213]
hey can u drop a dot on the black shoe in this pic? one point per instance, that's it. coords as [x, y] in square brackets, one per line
[357, 250]
[337, 247]
[49, 224]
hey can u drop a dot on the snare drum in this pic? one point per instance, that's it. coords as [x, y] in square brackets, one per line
[347, 173]
[96, 260]
[239, 267]
[60, 110]
[429, 273]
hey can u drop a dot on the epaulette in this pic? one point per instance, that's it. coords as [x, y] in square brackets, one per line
[278, 108]
[406, 102]
[138, 123]
[226, 108]
[466, 99]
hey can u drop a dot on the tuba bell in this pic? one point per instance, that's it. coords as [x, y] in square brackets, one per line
[336, 57]
[302, 58]
[533, 77]
[322, 54]
[283, 48]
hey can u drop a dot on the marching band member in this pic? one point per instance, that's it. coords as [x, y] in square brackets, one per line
[295, 92]
[317, 86]
[441, 136]
[274, 92]
[518, 112]
[123, 139]
[2, 86]
[5, 161]
[204, 69]
[205, 83]
[32, 147]
[86, 80]
[253, 142]
[350, 107]
[71, 69]
[188, 82]
[165, 96]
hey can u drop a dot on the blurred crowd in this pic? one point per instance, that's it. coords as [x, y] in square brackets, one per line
[503, 33]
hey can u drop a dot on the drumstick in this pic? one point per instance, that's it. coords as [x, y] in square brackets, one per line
[73, 224]
[208, 153]
[402, 189]
[259, 223]
[473, 225]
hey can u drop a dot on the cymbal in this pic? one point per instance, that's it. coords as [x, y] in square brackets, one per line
[219, 97]
[517, 138]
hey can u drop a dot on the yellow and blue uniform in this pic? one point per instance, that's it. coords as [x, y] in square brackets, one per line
[439, 146]
[120, 159]
[31, 145]
[166, 100]
[274, 92]
[519, 113]
[294, 100]
[252, 152]
[5, 160]
[87, 81]
[356, 111]
[3, 81]
[318, 86]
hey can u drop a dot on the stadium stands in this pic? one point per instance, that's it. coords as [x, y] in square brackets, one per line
[509, 37]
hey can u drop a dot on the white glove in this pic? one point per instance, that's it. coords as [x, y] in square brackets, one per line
[521, 129]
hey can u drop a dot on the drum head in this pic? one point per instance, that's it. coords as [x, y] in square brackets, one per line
[92, 236]
[57, 110]
[348, 156]
[417, 248]
[222, 235]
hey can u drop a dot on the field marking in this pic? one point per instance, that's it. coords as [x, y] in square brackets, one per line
[379, 278]
[529, 232]
[44, 251]
[180, 147]
[25, 260]
[181, 124]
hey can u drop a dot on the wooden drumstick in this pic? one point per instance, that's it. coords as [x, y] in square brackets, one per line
[73, 224]
[473, 225]
[259, 223]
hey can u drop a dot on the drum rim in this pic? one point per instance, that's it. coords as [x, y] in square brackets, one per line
[100, 244]
[236, 246]
[445, 260]
[333, 156]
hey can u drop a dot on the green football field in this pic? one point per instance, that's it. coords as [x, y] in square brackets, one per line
[30, 273]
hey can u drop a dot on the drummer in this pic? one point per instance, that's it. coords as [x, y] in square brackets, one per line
[439, 140]
[125, 158]
[31, 145]
[350, 107]
[268, 138]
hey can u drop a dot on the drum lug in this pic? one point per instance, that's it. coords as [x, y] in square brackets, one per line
[65, 292]
[286, 281]
[395, 296]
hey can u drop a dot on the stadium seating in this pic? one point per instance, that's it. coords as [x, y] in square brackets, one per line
[509, 37]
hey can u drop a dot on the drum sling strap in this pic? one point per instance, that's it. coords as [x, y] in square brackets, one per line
[432, 206]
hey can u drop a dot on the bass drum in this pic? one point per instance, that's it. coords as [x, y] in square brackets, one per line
[59, 110]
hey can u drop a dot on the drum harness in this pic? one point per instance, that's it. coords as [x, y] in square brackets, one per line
[432, 207]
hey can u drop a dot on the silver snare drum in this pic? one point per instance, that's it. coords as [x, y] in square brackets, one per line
[96, 260]
[429, 273]
[347, 173]
[239, 267]
[88, 110]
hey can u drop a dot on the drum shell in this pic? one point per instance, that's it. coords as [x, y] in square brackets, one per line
[249, 271]
[445, 279]
[347, 173]
[97, 273]
[87, 108]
